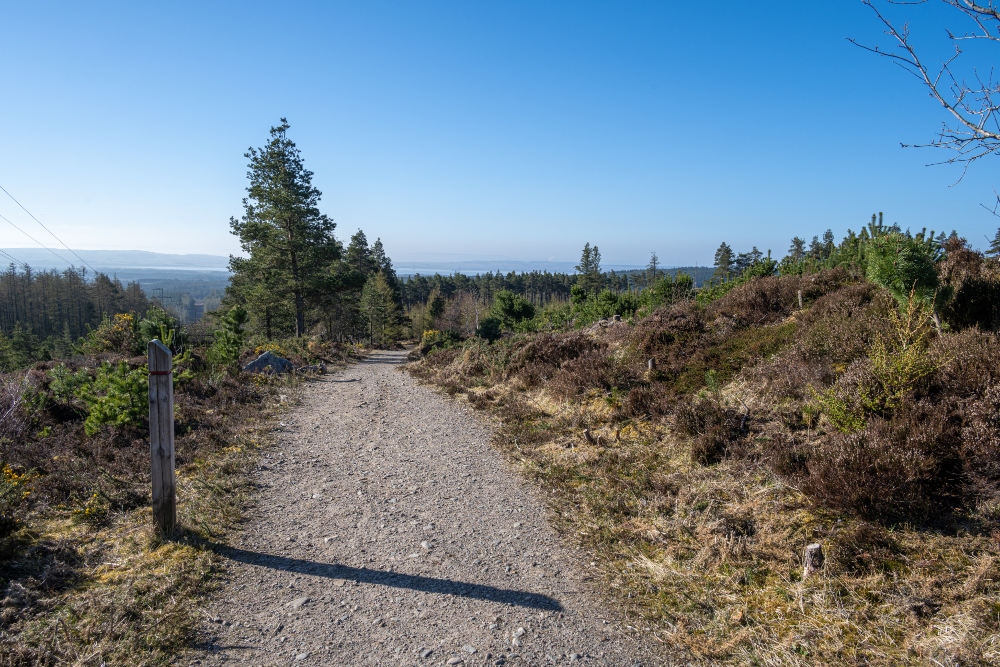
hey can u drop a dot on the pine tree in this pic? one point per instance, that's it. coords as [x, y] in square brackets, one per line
[289, 242]
[829, 243]
[797, 251]
[358, 255]
[724, 262]
[589, 269]
[651, 267]
[816, 249]
[379, 307]
[994, 249]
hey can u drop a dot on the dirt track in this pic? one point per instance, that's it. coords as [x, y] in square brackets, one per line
[389, 533]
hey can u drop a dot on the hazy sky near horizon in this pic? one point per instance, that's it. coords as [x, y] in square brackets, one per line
[490, 129]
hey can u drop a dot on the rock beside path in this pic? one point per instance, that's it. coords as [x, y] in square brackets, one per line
[270, 363]
[388, 532]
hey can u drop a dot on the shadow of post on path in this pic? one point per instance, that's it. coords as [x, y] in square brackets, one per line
[413, 582]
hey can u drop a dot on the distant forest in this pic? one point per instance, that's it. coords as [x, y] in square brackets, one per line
[43, 313]
[538, 287]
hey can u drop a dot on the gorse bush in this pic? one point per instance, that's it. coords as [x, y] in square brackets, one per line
[126, 334]
[14, 491]
[119, 334]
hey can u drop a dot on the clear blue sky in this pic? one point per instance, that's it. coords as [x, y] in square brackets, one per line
[507, 129]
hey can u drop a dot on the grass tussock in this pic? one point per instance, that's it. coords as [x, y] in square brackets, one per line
[84, 576]
[760, 429]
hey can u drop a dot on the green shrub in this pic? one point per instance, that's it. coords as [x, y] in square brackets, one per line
[227, 344]
[605, 305]
[159, 324]
[511, 309]
[667, 290]
[490, 329]
[905, 266]
[116, 397]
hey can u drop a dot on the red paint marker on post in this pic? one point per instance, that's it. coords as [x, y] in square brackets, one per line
[161, 435]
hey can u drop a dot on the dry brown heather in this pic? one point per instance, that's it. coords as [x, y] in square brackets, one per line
[85, 579]
[699, 485]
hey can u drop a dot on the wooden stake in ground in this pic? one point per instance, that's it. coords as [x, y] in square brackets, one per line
[813, 561]
[161, 435]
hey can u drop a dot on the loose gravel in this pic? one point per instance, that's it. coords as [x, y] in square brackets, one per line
[388, 532]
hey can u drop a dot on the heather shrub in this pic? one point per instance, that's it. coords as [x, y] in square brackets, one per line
[903, 469]
[761, 269]
[712, 428]
[670, 335]
[842, 325]
[550, 350]
[759, 302]
[645, 401]
[595, 369]
[980, 446]
[974, 283]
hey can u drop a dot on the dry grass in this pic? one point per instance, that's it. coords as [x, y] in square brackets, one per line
[709, 557]
[103, 588]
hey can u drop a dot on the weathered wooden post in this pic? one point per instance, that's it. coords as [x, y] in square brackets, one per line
[161, 435]
[813, 561]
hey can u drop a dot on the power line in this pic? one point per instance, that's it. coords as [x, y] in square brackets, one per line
[12, 258]
[37, 241]
[48, 230]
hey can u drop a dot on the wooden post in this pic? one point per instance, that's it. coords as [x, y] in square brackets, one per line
[161, 435]
[800, 299]
[813, 561]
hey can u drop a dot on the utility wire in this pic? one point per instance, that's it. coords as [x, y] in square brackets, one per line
[48, 230]
[12, 258]
[37, 241]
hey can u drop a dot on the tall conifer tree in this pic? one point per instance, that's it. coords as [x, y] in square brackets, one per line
[289, 242]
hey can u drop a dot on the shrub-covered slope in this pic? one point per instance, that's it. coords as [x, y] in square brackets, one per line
[699, 450]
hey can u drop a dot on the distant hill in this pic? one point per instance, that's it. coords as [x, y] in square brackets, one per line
[109, 260]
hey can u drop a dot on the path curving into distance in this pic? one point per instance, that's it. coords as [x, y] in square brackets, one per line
[388, 532]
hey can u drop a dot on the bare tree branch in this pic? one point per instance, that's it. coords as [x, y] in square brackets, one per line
[975, 132]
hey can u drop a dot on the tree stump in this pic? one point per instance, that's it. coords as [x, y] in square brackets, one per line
[814, 560]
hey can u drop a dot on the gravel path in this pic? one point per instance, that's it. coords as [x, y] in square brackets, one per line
[389, 533]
